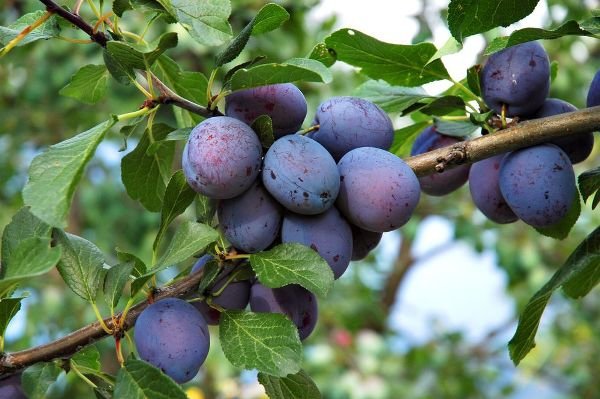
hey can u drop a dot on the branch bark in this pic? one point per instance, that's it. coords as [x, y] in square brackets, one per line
[98, 37]
[523, 135]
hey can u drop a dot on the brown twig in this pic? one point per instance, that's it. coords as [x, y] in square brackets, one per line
[98, 37]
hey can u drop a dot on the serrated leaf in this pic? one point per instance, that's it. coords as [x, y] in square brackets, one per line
[561, 229]
[267, 342]
[293, 263]
[270, 17]
[87, 360]
[8, 309]
[88, 85]
[247, 64]
[139, 270]
[263, 126]
[322, 54]
[114, 282]
[581, 266]
[469, 17]
[205, 209]
[443, 106]
[31, 257]
[206, 21]
[120, 6]
[22, 226]
[404, 137]
[293, 70]
[58, 171]
[36, 379]
[47, 30]
[294, 386]
[189, 239]
[390, 98]
[569, 28]
[145, 176]
[589, 183]
[178, 196]
[455, 128]
[401, 65]
[81, 265]
[140, 380]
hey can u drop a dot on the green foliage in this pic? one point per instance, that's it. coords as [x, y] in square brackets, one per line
[139, 380]
[88, 85]
[205, 21]
[390, 98]
[295, 386]
[561, 229]
[36, 379]
[48, 30]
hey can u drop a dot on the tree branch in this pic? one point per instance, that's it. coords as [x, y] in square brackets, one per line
[98, 37]
[524, 134]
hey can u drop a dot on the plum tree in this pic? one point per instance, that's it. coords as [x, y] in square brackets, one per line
[294, 301]
[250, 221]
[172, 335]
[284, 103]
[301, 175]
[577, 147]
[346, 123]
[222, 157]
[485, 190]
[538, 183]
[363, 242]
[440, 183]
[517, 78]
[378, 190]
[328, 233]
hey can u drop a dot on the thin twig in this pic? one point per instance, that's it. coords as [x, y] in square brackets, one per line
[98, 37]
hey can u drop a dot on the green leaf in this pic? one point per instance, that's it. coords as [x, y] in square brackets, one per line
[87, 360]
[205, 209]
[269, 17]
[404, 137]
[263, 126]
[322, 54]
[294, 386]
[455, 128]
[31, 257]
[293, 263]
[390, 98]
[178, 196]
[8, 309]
[293, 70]
[145, 176]
[117, 70]
[452, 46]
[553, 71]
[114, 282]
[206, 21]
[189, 239]
[473, 79]
[561, 229]
[401, 65]
[469, 17]
[47, 30]
[120, 6]
[589, 183]
[569, 28]
[36, 379]
[444, 106]
[23, 225]
[58, 171]
[267, 342]
[210, 272]
[247, 64]
[81, 265]
[182, 134]
[139, 267]
[581, 266]
[165, 42]
[591, 25]
[140, 380]
[88, 85]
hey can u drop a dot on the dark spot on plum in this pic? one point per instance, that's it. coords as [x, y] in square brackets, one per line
[248, 171]
[324, 195]
[532, 63]
[314, 247]
[269, 106]
[273, 175]
[305, 194]
[336, 258]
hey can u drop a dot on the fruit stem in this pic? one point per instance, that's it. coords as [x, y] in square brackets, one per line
[94, 9]
[237, 256]
[118, 351]
[27, 30]
[134, 114]
[83, 377]
[211, 80]
[503, 116]
[231, 277]
[309, 129]
[100, 319]
[213, 104]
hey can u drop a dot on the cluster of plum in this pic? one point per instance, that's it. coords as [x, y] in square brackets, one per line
[534, 184]
[335, 188]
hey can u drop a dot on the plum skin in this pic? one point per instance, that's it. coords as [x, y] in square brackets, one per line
[363, 242]
[538, 183]
[284, 103]
[485, 190]
[328, 233]
[301, 175]
[294, 301]
[519, 77]
[222, 157]
[378, 190]
[250, 221]
[577, 147]
[173, 336]
[439, 184]
[346, 123]
[593, 96]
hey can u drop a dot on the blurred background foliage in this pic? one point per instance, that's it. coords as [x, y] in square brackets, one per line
[357, 351]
